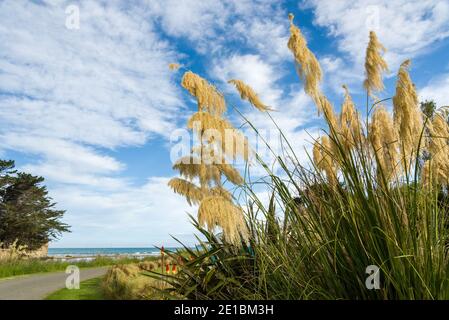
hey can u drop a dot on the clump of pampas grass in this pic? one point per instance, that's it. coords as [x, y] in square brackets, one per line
[373, 195]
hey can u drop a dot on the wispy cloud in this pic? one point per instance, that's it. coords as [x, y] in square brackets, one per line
[407, 29]
[104, 84]
[216, 27]
[132, 216]
[437, 89]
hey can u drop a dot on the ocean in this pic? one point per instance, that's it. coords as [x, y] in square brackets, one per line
[83, 252]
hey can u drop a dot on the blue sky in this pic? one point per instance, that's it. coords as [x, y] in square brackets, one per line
[92, 108]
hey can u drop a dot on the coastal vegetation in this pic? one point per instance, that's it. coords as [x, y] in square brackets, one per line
[16, 267]
[371, 204]
[123, 281]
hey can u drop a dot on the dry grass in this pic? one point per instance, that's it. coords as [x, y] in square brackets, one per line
[126, 282]
[132, 281]
[12, 252]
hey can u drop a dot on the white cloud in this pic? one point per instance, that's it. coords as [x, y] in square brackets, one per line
[268, 37]
[406, 28]
[105, 84]
[337, 74]
[437, 90]
[260, 75]
[195, 20]
[84, 158]
[212, 26]
[66, 93]
[131, 216]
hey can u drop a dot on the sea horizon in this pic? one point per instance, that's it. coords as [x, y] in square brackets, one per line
[93, 251]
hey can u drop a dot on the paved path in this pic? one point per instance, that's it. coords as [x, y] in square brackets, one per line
[39, 286]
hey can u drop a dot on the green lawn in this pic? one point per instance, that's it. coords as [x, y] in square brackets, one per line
[89, 290]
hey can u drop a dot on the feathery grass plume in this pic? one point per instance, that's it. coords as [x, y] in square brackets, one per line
[374, 65]
[236, 144]
[426, 178]
[188, 166]
[407, 116]
[307, 65]
[230, 173]
[350, 127]
[323, 159]
[332, 121]
[197, 168]
[218, 211]
[329, 165]
[207, 95]
[209, 121]
[174, 66]
[437, 169]
[213, 173]
[384, 140]
[208, 173]
[317, 155]
[190, 191]
[329, 113]
[209, 153]
[247, 93]
[231, 141]
[222, 192]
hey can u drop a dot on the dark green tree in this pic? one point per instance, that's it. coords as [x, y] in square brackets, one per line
[428, 108]
[26, 211]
